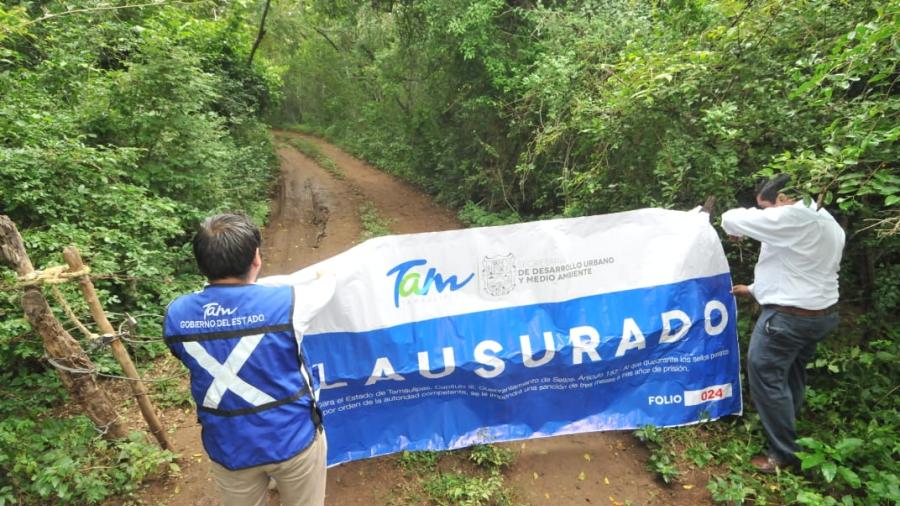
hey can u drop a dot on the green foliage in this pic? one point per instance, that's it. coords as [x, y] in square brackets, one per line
[649, 434]
[170, 393]
[491, 456]
[662, 459]
[373, 224]
[119, 130]
[474, 215]
[594, 106]
[302, 129]
[663, 464]
[454, 489]
[830, 460]
[850, 437]
[854, 157]
[463, 484]
[730, 489]
[420, 462]
[64, 461]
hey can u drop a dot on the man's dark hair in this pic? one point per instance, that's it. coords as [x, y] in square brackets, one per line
[225, 245]
[768, 189]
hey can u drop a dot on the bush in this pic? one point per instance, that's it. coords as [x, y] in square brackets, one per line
[64, 461]
[119, 130]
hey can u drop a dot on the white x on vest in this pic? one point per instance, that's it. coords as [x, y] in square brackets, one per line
[225, 375]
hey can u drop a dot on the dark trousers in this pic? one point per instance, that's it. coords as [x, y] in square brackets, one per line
[780, 347]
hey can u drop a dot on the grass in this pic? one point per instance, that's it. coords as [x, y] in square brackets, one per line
[303, 129]
[170, 394]
[421, 462]
[373, 224]
[453, 489]
[311, 150]
[471, 477]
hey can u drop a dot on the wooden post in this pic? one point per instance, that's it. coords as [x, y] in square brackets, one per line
[709, 205]
[58, 343]
[73, 259]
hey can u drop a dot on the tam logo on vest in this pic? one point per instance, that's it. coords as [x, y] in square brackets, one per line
[214, 309]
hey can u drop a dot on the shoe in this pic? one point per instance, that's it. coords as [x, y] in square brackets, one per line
[766, 464]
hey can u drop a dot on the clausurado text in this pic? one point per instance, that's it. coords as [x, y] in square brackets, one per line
[583, 340]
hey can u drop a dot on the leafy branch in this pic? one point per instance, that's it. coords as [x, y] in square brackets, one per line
[158, 3]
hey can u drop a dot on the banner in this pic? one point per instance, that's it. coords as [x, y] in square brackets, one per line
[444, 340]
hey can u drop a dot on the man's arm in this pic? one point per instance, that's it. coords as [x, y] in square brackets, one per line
[778, 226]
[310, 298]
[312, 292]
[742, 291]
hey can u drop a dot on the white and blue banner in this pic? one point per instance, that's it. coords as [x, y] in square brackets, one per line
[444, 340]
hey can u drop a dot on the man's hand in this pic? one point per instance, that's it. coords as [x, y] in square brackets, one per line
[741, 291]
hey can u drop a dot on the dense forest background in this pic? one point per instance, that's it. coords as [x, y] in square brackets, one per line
[121, 125]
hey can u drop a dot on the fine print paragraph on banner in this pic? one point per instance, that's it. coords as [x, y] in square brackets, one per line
[444, 340]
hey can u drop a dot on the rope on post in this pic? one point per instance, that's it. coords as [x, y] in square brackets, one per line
[71, 314]
[54, 275]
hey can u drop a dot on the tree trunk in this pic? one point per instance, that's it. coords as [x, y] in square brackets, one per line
[66, 351]
[260, 34]
[60, 346]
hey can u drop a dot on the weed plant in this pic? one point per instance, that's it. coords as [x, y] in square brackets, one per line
[373, 224]
[443, 478]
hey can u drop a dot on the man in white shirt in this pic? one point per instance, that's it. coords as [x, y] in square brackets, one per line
[796, 283]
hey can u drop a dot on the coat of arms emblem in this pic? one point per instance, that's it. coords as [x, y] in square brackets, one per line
[498, 275]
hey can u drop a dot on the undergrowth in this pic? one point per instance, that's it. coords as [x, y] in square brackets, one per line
[118, 134]
[474, 215]
[449, 478]
[373, 224]
[51, 461]
[848, 427]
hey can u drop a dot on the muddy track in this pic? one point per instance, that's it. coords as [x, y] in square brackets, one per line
[314, 216]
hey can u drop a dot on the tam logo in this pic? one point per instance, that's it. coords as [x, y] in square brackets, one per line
[408, 282]
[214, 309]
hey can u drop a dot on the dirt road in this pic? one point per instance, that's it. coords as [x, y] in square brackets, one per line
[316, 215]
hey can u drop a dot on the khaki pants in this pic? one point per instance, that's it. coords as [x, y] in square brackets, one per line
[301, 479]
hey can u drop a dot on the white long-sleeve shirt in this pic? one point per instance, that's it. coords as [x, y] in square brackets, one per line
[800, 254]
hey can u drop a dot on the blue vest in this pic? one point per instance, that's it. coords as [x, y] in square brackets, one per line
[248, 378]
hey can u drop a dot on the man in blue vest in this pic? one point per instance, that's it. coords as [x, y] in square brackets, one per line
[796, 283]
[241, 342]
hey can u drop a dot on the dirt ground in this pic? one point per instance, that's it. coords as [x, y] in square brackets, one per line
[315, 216]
